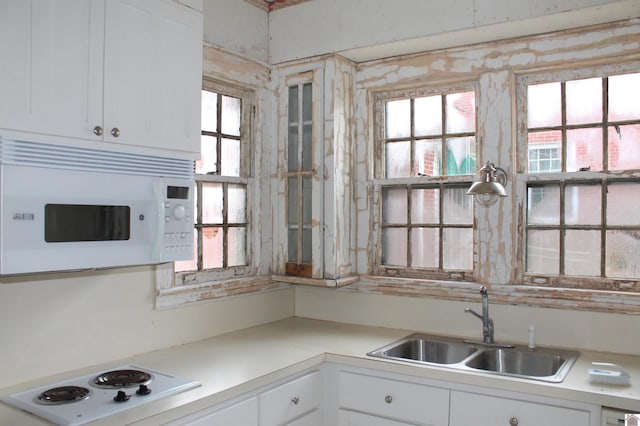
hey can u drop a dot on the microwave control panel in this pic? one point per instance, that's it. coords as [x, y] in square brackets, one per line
[178, 223]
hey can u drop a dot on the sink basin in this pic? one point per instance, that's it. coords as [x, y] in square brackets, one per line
[541, 363]
[545, 364]
[428, 349]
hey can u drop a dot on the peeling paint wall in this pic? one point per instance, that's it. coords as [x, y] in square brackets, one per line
[365, 29]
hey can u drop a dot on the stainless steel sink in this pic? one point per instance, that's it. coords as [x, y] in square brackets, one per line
[548, 364]
[427, 349]
[545, 364]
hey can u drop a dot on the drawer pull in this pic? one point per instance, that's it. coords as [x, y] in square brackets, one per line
[295, 400]
[513, 421]
[388, 399]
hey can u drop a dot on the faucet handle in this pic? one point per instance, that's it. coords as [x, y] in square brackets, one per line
[483, 290]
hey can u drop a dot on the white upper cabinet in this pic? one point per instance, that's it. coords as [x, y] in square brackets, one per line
[126, 72]
[51, 77]
[153, 74]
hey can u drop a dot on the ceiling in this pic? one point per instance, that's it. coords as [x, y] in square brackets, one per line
[271, 5]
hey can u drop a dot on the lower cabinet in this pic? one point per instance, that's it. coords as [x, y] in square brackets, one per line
[475, 409]
[395, 401]
[339, 395]
[296, 402]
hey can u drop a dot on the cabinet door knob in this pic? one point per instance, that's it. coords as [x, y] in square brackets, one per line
[115, 132]
[295, 400]
[97, 131]
[513, 421]
[388, 399]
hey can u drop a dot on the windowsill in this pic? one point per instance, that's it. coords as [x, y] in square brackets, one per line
[317, 282]
[184, 295]
[522, 295]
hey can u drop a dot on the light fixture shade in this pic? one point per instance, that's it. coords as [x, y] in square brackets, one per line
[492, 181]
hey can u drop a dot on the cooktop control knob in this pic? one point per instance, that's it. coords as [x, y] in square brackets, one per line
[143, 390]
[121, 397]
[179, 212]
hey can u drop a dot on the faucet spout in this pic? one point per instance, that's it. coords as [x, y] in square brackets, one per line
[487, 323]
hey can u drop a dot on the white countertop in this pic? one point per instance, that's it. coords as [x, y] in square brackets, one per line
[232, 364]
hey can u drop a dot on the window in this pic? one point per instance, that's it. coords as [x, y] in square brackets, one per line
[583, 145]
[299, 179]
[221, 211]
[427, 152]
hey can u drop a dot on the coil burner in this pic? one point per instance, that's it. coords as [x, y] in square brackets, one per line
[63, 395]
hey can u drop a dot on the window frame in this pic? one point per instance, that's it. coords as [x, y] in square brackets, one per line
[564, 179]
[419, 181]
[246, 96]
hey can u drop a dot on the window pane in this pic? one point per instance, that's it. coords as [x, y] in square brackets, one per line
[209, 113]
[457, 248]
[545, 152]
[230, 164]
[623, 254]
[306, 200]
[582, 254]
[306, 245]
[307, 148]
[624, 92]
[230, 116]
[583, 205]
[461, 153]
[425, 252]
[208, 157]
[292, 201]
[584, 101]
[622, 204]
[212, 203]
[307, 102]
[425, 206]
[212, 247]
[428, 157]
[457, 206]
[461, 112]
[428, 116]
[292, 148]
[543, 251]
[394, 246]
[398, 159]
[293, 105]
[544, 105]
[543, 205]
[292, 245]
[394, 205]
[624, 147]
[398, 119]
[237, 204]
[584, 149]
[237, 246]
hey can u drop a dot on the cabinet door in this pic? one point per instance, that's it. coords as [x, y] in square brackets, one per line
[153, 75]
[353, 418]
[393, 399]
[297, 402]
[51, 76]
[474, 409]
[244, 413]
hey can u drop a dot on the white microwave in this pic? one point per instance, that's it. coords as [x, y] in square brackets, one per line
[72, 208]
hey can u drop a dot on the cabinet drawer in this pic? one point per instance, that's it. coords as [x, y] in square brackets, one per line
[243, 413]
[291, 400]
[469, 408]
[394, 399]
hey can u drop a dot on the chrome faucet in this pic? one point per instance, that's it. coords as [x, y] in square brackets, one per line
[487, 323]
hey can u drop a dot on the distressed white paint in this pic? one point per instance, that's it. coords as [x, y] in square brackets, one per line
[367, 29]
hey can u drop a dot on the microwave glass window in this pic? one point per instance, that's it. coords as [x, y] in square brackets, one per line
[178, 192]
[79, 222]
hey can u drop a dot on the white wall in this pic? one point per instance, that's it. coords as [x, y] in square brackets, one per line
[237, 26]
[368, 29]
[554, 327]
[60, 322]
